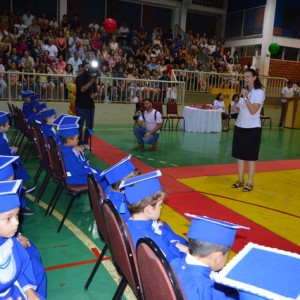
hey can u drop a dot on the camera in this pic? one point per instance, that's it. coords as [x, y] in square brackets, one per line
[137, 114]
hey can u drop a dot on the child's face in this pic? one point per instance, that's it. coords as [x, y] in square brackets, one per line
[5, 127]
[154, 211]
[9, 222]
[219, 262]
[51, 119]
[26, 99]
[73, 141]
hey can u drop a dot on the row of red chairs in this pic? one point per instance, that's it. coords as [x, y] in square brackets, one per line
[145, 270]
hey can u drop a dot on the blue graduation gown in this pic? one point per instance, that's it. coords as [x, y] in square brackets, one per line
[171, 235]
[196, 283]
[16, 271]
[119, 201]
[48, 131]
[27, 108]
[77, 166]
[38, 270]
[32, 116]
[19, 170]
[139, 229]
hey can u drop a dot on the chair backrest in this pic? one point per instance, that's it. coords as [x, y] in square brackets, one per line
[43, 147]
[140, 106]
[121, 247]
[158, 106]
[157, 276]
[262, 112]
[172, 108]
[36, 142]
[56, 160]
[96, 196]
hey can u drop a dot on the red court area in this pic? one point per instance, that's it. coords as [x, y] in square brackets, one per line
[184, 199]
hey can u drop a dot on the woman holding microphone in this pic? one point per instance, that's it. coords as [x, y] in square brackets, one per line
[247, 129]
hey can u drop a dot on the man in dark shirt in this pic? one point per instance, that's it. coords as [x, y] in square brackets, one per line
[86, 92]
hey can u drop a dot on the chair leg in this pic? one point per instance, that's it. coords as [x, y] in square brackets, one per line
[42, 188]
[53, 200]
[95, 268]
[67, 211]
[37, 174]
[120, 290]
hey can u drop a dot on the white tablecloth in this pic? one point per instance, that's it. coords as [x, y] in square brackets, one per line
[202, 120]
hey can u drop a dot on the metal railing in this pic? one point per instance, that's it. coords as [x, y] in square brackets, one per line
[229, 84]
[55, 87]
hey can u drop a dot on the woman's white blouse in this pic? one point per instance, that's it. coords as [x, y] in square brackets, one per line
[245, 119]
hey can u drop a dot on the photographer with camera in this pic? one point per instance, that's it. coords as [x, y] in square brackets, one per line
[86, 93]
[153, 122]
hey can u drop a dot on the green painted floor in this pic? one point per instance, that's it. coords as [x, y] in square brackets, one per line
[67, 256]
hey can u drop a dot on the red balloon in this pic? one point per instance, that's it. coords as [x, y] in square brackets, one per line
[110, 25]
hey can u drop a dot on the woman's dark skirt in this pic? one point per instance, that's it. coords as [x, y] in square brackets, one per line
[246, 143]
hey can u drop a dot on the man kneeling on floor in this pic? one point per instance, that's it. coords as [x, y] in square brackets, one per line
[153, 123]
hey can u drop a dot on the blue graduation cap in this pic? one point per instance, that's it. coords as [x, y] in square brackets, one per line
[59, 118]
[119, 170]
[140, 187]
[6, 168]
[260, 272]
[68, 126]
[9, 195]
[212, 230]
[40, 107]
[34, 97]
[3, 117]
[27, 93]
[34, 103]
[48, 113]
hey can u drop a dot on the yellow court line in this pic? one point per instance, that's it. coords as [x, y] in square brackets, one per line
[89, 244]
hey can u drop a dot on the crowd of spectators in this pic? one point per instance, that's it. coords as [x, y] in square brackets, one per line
[39, 44]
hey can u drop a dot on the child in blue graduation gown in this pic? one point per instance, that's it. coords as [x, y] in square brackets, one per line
[48, 116]
[5, 149]
[26, 95]
[145, 196]
[76, 164]
[210, 242]
[122, 170]
[17, 277]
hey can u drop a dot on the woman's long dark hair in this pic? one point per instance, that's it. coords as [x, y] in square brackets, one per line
[257, 83]
[218, 96]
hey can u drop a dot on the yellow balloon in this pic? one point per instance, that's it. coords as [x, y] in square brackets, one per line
[72, 97]
[71, 87]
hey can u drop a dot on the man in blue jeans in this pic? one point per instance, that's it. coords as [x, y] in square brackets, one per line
[86, 92]
[153, 122]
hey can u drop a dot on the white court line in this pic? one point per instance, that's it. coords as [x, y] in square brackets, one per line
[109, 266]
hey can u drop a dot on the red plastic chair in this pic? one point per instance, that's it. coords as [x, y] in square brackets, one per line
[158, 106]
[97, 197]
[172, 113]
[122, 251]
[158, 281]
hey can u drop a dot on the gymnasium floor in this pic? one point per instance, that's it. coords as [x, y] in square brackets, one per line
[198, 171]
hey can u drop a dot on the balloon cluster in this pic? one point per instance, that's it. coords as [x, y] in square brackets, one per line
[274, 48]
[71, 87]
[110, 25]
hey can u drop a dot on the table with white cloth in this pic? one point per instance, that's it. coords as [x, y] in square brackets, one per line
[202, 120]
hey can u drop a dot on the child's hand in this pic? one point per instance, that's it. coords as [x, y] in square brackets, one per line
[79, 149]
[14, 149]
[160, 223]
[182, 248]
[23, 241]
[31, 295]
